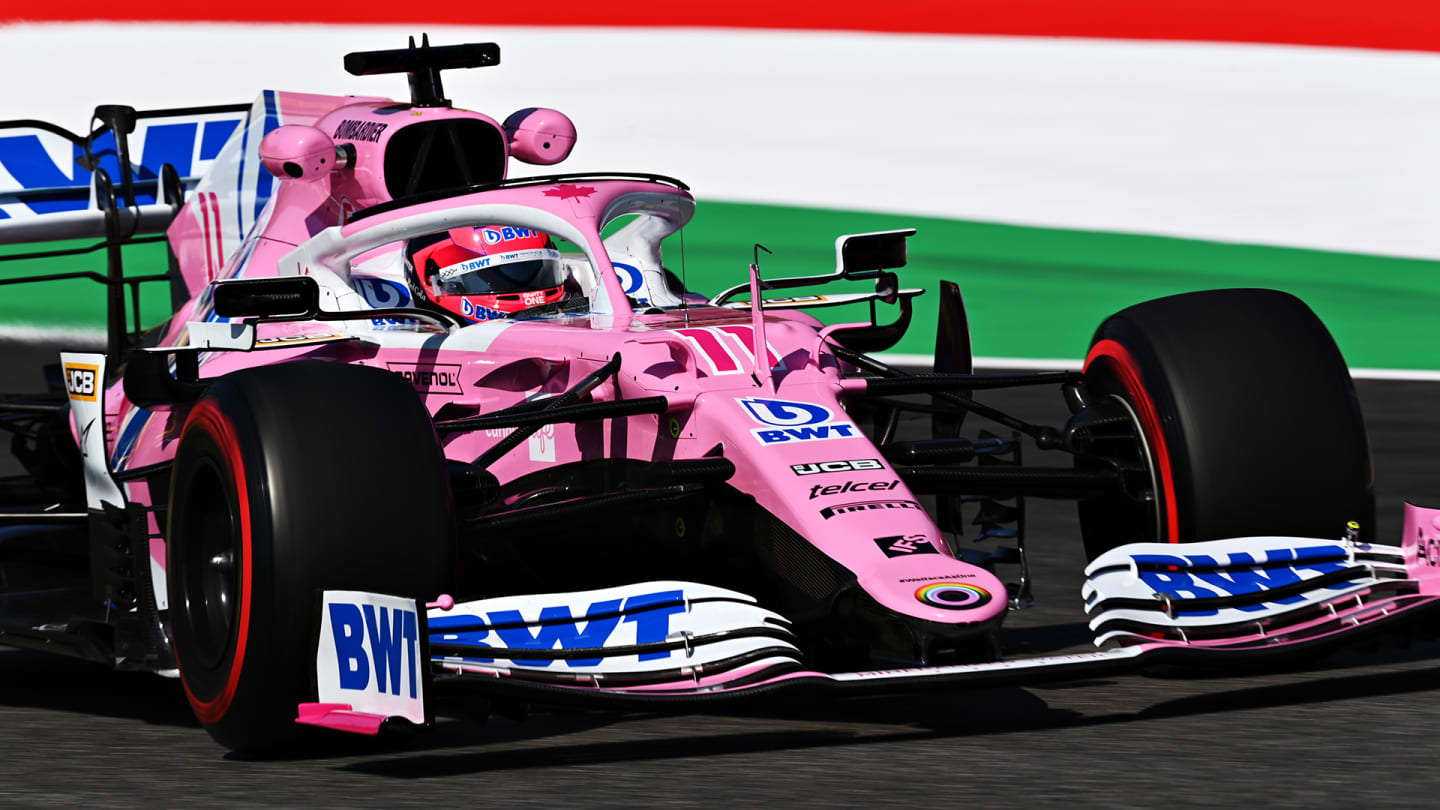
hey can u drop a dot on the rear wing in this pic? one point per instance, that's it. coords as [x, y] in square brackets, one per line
[123, 182]
[51, 178]
[190, 173]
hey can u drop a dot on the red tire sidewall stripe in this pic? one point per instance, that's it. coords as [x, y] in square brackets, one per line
[205, 417]
[1119, 358]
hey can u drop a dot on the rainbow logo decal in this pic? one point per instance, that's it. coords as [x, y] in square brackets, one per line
[952, 595]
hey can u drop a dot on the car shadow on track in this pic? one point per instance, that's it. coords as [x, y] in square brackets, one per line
[863, 722]
[37, 680]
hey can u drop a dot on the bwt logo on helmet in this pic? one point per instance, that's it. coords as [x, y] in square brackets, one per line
[494, 236]
[476, 312]
[556, 627]
[792, 422]
[392, 651]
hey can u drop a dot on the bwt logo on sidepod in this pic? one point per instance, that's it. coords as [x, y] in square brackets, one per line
[385, 641]
[792, 422]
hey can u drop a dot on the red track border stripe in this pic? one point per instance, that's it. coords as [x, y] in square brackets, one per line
[1384, 24]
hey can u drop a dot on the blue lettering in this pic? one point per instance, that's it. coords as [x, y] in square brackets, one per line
[475, 630]
[385, 640]
[808, 433]
[1176, 584]
[411, 633]
[557, 627]
[1252, 581]
[27, 161]
[215, 137]
[168, 143]
[348, 630]
[652, 625]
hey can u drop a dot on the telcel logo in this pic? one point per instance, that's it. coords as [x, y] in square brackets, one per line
[819, 490]
[793, 422]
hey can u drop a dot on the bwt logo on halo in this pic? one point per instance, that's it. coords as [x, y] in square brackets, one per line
[791, 422]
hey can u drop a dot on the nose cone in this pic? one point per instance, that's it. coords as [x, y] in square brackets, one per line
[936, 588]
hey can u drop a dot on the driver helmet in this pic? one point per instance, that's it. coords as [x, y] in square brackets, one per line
[489, 271]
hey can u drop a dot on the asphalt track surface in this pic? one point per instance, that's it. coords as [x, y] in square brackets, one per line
[1357, 730]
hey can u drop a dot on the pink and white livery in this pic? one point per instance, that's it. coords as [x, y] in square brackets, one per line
[418, 426]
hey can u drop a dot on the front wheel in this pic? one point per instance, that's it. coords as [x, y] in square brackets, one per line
[289, 480]
[1241, 413]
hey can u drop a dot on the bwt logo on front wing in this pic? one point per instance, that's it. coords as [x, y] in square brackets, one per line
[791, 422]
[383, 641]
[557, 627]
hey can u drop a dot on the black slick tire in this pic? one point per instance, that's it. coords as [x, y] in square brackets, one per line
[290, 479]
[1250, 421]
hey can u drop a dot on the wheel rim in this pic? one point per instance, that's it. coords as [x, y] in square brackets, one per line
[209, 582]
[1147, 456]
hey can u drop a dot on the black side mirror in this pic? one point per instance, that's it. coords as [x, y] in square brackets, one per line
[290, 296]
[863, 255]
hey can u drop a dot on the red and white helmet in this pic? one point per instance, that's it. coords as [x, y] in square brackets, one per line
[488, 272]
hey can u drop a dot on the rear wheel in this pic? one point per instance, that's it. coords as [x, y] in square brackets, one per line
[1242, 419]
[289, 480]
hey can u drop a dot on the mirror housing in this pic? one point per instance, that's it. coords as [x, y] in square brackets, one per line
[864, 255]
[540, 135]
[286, 296]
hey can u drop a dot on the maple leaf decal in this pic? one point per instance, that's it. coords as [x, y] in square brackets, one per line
[566, 191]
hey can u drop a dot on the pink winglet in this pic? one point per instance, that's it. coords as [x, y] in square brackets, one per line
[444, 602]
[339, 717]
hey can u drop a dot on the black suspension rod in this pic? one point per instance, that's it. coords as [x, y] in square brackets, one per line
[570, 397]
[1046, 437]
[933, 383]
[562, 510]
[572, 413]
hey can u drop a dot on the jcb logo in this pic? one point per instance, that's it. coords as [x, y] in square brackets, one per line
[81, 382]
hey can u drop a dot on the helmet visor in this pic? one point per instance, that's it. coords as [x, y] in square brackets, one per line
[518, 271]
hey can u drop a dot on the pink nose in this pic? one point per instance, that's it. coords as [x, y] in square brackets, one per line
[444, 602]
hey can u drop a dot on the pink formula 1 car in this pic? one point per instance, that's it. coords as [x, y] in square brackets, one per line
[419, 428]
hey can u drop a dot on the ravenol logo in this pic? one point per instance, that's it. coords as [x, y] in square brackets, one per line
[792, 422]
[383, 641]
[556, 627]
